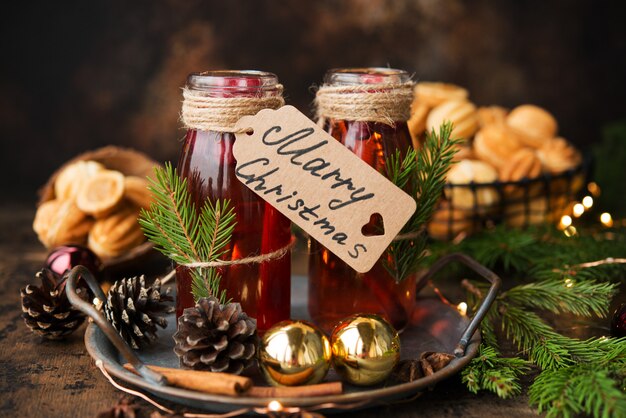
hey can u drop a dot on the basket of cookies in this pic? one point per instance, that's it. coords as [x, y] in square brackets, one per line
[94, 200]
[512, 167]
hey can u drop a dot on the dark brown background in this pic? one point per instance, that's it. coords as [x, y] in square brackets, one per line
[79, 75]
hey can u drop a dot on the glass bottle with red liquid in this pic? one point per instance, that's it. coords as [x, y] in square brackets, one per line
[208, 163]
[335, 289]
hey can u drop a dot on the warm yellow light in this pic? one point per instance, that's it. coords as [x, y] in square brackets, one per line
[578, 209]
[275, 406]
[462, 308]
[594, 189]
[569, 283]
[606, 219]
[587, 201]
[566, 221]
[570, 231]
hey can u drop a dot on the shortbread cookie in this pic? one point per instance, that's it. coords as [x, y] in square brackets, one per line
[433, 94]
[533, 124]
[462, 114]
[558, 155]
[495, 144]
[468, 196]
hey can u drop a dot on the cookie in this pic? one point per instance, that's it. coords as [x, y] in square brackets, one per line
[448, 223]
[101, 194]
[117, 233]
[558, 155]
[495, 144]
[533, 124]
[136, 191]
[71, 178]
[488, 115]
[433, 94]
[462, 114]
[465, 195]
[59, 222]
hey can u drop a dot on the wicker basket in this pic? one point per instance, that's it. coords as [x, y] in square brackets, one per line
[126, 161]
[518, 204]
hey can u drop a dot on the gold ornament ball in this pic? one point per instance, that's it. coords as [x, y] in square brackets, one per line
[366, 348]
[294, 353]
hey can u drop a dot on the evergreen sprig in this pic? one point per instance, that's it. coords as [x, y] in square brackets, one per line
[185, 234]
[422, 175]
[576, 376]
[492, 372]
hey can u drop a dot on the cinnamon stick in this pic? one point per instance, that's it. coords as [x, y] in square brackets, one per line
[201, 381]
[322, 389]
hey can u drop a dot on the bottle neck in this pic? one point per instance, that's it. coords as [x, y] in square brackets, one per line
[216, 100]
[380, 95]
[232, 84]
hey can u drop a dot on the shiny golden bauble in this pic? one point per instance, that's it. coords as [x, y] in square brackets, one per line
[294, 353]
[366, 348]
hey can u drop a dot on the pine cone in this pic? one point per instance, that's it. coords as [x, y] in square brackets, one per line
[215, 337]
[135, 311]
[47, 311]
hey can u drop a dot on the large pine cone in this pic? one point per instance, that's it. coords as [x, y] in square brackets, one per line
[215, 337]
[135, 311]
[46, 309]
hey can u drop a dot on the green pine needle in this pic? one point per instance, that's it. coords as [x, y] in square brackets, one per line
[423, 176]
[489, 371]
[580, 297]
[584, 388]
[554, 275]
[185, 234]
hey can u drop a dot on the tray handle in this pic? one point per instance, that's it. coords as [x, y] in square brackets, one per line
[104, 325]
[482, 310]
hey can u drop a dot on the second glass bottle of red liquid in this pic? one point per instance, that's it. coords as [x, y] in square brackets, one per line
[335, 289]
[208, 164]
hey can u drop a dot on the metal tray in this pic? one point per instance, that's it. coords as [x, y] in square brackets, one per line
[435, 326]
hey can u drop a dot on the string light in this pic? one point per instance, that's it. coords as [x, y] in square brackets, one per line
[275, 406]
[594, 189]
[569, 282]
[566, 221]
[462, 308]
[570, 231]
[606, 219]
[578, 210]
[587, 201]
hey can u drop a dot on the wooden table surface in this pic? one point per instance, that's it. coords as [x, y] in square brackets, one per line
[40, 378]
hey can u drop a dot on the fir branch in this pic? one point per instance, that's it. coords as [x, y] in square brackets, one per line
[489, 371]
[423, 176]
[582, 298]
[577, 376]
[185, 234]
[171, 223]
[584, 388]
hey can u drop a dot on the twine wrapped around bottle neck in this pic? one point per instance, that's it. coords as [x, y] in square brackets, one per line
[386, 103]
[205, 113]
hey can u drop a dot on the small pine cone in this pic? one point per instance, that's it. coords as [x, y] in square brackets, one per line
[46, 309]
[135, 311]
[215, 337]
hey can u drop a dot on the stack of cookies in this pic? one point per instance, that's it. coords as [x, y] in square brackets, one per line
[508, 168]
[93, 205]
